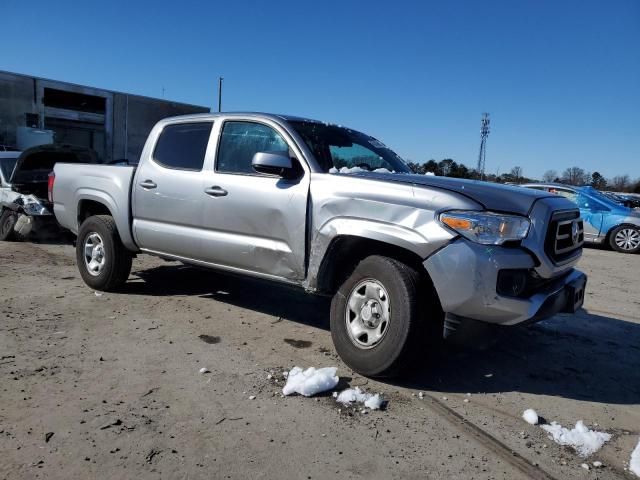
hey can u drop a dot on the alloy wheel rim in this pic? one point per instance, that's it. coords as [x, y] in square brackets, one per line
[94, 254]
[628, 239]
[368, 313]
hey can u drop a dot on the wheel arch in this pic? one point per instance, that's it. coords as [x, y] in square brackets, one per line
[100, 203]
[344, 252]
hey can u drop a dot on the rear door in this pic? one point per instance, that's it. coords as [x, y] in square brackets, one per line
[253, 221]
[167, 192]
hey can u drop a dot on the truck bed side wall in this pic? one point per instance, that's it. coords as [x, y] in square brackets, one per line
[108, 185]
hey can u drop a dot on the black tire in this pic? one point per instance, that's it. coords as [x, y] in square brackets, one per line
[7, 224]
[408, 294]
[117, 259]
[617, 235]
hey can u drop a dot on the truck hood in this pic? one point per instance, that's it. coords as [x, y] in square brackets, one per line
[492, 196]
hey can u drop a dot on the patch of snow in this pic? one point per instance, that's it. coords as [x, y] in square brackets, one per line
[97, 294]
[310, 381]
[346, 170]
[351, 395]
[584, 441]
[357, 170]
[634, 463]
[585, 466]
[597, 464]
[430, 174]
[530, 416]
[374, 402]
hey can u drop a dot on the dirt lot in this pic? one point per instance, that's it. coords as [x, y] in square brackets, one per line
[107, 386]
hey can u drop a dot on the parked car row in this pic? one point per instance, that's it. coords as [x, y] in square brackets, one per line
[605, 220]
[631, 201]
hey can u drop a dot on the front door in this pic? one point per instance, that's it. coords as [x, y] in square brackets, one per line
[168, 191]
[591, 217]
[254, 222]
[593, 214]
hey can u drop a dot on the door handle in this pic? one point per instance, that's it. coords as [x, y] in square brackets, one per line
[216, 191]
[148, 184]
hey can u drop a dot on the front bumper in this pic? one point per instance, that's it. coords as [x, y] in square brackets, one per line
[465, 276]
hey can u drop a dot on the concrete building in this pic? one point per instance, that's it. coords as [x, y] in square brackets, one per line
[36, 110]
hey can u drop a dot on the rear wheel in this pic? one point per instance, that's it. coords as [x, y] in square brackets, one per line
[103, 260]
[625, 238]
[377, 316]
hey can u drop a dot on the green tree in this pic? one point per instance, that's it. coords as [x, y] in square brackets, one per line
[598, 181]
[432, 166]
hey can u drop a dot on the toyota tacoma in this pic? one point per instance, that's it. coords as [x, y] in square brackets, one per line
[407, 258]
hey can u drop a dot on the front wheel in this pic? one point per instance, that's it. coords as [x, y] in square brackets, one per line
[103, 260]
[376, 315]
[7, 224]
[625, 238]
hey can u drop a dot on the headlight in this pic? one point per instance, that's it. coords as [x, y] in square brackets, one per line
[486, 227]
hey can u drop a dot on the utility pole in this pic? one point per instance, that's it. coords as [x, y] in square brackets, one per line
[484, 133]
[220, 79]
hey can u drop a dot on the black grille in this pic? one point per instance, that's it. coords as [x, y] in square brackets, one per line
[565, 236]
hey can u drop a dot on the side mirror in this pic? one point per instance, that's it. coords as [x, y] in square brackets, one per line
[273, 163]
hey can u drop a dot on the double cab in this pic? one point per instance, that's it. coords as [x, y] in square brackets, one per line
[408, 259]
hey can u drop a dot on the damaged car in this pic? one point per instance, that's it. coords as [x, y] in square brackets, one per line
[408, 259]
[24, 204]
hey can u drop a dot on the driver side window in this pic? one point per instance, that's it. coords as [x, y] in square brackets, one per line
[240, 141]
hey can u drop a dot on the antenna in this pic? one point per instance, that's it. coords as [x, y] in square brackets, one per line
[484, 133]
[220, 79]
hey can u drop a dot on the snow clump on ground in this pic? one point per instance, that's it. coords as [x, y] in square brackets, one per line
[310, 381]
[584, 441]
[634, 463]
[530, 416]
[350, 395]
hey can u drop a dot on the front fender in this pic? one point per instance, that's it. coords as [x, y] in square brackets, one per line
[421, 242]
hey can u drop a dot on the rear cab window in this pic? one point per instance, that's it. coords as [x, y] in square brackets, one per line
[182, 146]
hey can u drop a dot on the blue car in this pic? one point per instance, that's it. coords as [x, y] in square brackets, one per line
[605, 221]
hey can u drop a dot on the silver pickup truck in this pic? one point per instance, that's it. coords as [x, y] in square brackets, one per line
[409, 259]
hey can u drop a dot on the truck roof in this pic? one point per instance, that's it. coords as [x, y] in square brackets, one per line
[212, 116]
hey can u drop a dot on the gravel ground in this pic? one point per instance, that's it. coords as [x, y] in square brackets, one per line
[107, 386]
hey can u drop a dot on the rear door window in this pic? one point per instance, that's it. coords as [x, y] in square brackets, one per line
[182, 146]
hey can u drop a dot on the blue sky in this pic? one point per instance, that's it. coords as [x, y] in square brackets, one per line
[561, 79]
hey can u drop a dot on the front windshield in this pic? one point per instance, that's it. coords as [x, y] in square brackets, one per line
[342, 149]
[6, 165]
[602, 197]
